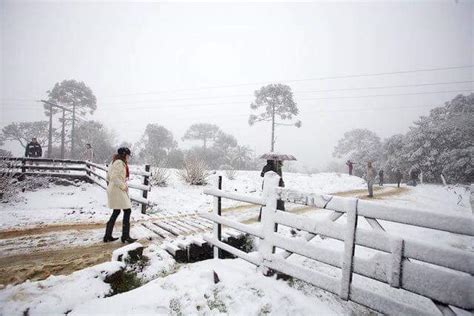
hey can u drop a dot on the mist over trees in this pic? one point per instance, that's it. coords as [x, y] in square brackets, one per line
[360, 146]
[100, 138]
[225, 150]
[155, 144]
[77, 98]
[202, 131]
[440, 143]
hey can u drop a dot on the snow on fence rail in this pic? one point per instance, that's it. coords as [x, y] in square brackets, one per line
[101, 180]
[75, 169]
[441, 274]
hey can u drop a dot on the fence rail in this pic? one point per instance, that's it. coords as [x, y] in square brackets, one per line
[441, 274]
[86, 170]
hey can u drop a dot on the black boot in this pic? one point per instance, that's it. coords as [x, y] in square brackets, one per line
[110, 227]
[126, 227]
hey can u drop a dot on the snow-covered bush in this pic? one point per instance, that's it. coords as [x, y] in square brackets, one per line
[9, 184]
[230, 172]
[194, 171]
[159, 176]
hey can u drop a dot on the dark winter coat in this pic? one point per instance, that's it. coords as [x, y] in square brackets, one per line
[273, 166]
[33, 150]
[268, 167]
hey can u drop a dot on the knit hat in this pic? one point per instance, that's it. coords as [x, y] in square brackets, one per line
[124, 151]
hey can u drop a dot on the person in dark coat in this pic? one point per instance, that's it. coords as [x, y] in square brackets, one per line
[268, 167]
[381, 177]
[275, 166]
[413, 176]
[398, 177]
[33, 149]
[350, 164]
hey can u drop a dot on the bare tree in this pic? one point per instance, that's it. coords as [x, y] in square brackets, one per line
[23, 132]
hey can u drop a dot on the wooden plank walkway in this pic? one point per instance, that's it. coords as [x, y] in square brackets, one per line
[182, 234]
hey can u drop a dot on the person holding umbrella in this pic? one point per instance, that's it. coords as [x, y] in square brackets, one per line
[275, 164]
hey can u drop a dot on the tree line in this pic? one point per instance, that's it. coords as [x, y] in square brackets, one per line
[76, 101]
[441, 143]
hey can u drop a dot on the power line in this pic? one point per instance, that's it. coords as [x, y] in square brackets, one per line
[298, 80]
[159, 107]
[301, 99]
[296, 92]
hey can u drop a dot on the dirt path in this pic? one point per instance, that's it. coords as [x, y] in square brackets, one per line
[38, 266]
[379, 193]
[48, 229]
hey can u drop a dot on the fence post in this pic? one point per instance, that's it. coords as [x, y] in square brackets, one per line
[349, 248]
[23, 166]
[88, 168]
[217, 226]
[145, 192]
[270, 196]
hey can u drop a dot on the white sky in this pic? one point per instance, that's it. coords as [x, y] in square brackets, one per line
[123, 49]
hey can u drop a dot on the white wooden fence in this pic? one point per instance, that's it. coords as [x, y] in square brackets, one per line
[101, 180]
[73, 169]
[439, 273]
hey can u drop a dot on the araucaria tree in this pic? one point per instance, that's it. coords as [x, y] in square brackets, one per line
[275, 102]
[202, 131]
[74, 96]
[156, 144]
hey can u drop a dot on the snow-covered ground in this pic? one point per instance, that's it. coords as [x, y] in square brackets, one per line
[87, 203]
[242, 290]
[190, 289]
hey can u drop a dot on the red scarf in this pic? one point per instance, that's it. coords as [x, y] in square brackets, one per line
[127, 172]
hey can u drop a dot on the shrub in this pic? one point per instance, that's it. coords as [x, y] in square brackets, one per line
[9, 184]
[194, 171]
[159, 176]
[229, 171]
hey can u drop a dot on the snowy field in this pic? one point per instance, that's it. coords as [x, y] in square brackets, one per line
[176, 289]
[87, 203]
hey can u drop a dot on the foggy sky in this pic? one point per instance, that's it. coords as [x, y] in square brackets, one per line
[155, 62]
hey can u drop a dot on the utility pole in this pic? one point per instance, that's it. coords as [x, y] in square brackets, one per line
[72, 130]
[273, 128]
[50, 134]
[50, 141]
[63, 135]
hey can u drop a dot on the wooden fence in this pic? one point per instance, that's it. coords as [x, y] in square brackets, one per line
[74, 169]
[441, 274]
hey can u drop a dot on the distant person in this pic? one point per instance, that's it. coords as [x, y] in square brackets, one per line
[398, 177]
[117, 194]
[381, 177]
[350, 164]
[413, 176]
[88, 154]
[370, 178]
[33, 149]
